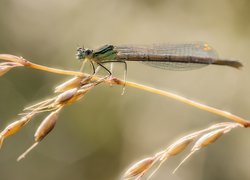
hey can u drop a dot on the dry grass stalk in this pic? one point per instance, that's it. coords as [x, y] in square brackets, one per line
[115, 81]
[71, 91]
[75, 88]
[207, 136]
[55, 104]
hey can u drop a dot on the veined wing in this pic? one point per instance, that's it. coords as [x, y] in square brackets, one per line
[185, 56]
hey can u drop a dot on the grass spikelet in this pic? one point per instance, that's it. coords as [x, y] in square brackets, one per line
[179, 146]
[205, 140]
[14, 127]
[174, 149]
[139, 168]
[64, 97]
[81, 83]
[47, 125]
[75, 82]
[42, 131]
[206, 136]
[69, 97]
[6, 67]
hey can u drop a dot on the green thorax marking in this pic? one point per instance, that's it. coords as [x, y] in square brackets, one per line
[105, 53]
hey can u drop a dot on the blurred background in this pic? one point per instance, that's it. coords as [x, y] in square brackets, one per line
[99, 137]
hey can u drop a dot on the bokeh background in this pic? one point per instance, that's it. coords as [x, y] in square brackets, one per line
[98, 137]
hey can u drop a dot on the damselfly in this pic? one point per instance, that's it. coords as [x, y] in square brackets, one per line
[167, 56]
[171, 56]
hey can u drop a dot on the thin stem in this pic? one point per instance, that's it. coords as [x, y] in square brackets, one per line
[191, 103]
[116, 81]
[26, 63]
[54, 70]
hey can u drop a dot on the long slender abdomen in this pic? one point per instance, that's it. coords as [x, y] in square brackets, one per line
[173, 56]
[154, 58]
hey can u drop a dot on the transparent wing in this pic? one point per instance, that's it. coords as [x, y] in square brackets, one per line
[174, 66]
[197, 49]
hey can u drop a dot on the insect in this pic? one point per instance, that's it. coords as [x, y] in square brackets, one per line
[167, 56]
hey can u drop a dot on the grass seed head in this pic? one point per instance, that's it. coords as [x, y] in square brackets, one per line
[47, 125]
[65, 96]
[179, 146]
[203, 142]
[174, 149]
[208, 139]
[6, 67]
[14, 128]
[75, 82]
[69, 96]
[73, 95]
[139, 168]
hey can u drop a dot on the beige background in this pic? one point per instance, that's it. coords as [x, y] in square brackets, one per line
[100, 136]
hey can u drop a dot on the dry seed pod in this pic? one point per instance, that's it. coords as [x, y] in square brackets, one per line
[80, 93]
[75, 82]
[203, 142]
[12, 58]
[45, 127]
[179, 146]
[208, 139]
[70, 96]
[65, 96]
[14, 128]
[173, 150]
[139, 168]
[5, 67]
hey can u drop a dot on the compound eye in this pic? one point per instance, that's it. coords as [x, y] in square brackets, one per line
[88, 52]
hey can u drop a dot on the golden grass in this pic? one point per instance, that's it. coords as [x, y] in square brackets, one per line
[81, 83]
